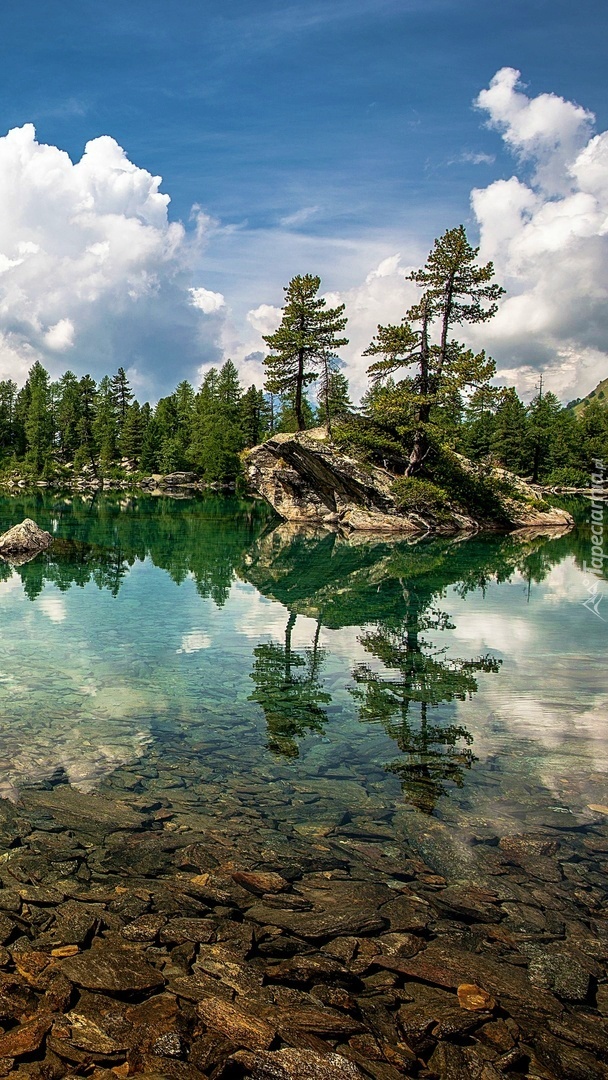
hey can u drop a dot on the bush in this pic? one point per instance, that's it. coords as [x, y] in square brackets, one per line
[369, 442]
[421, 497]
[475, 491]
[567, 476]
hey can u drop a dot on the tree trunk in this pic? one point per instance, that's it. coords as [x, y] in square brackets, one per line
[421, 445]
[299, 384]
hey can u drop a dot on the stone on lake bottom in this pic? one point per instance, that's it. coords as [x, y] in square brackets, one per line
[24, 539]
[236, 1024]
[291, 1064]
[473, 997]
[113, 969]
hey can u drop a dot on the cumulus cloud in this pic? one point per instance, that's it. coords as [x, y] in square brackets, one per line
[90, 265]
[265, 318]
[206, 301]
[546, 230]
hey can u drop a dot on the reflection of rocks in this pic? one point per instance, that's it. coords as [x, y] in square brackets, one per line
[24, 541]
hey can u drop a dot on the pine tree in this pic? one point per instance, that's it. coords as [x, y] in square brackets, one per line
[38, 418]
[511, 438]
[478, 428]
[309, 331]
[543, 414]
[184, 409]
[255, 416]
[130, 440]
[456, 291]
[121, 395]
[105, 428]
[8, 397]
[67, 414]
[332, 392]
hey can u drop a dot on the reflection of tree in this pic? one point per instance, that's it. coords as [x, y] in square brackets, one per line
[100, 539]
[288, 690]
[416, 678]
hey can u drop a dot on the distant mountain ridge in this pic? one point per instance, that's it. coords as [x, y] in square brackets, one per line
[600, 393]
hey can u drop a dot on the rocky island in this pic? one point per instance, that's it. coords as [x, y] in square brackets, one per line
[307, 478]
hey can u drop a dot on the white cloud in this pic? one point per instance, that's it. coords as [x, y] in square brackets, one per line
[89, 259]
[206, 301]
[546, 130]
[53, 607]
[265, 318]
[472, 157]
[60, 336]
[548, 238]
[194, 642]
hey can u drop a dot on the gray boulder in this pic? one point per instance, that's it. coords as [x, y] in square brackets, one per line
[24, 539]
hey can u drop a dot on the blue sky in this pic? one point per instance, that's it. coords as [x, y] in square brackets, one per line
[318, 137]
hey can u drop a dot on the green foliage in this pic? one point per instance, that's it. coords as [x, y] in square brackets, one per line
[474, 490]
[371, 442]
[418, 496]
[567, 476]
[309, 333]
[332, 392]
[456, 291]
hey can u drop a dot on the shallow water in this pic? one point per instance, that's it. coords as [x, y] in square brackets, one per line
[265, 678]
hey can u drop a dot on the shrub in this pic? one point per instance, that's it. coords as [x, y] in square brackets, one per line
[476, 491]
[567, 476]
[414, 495]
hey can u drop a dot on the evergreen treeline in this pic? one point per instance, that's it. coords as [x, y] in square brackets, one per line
[427, 393]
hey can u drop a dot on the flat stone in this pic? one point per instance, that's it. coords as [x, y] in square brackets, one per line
[239, 1026]
[405, 914]
[317, 925]
[37, 894]
[292, 1064]
[112, 969]
[559, 971]
[179, 931]
[99, 1024]
[467, 902]
[324, 1022]
[260, 883]
[306, 969]
[24, 1039]
[144, 928]
[449, 966]
[528, 846]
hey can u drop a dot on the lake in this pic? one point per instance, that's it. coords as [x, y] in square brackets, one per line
[198, 702]
[459, 677]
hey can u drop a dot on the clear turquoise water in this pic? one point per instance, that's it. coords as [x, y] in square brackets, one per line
[324, 680]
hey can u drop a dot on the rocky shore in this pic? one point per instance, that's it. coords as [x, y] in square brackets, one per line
[136, 938]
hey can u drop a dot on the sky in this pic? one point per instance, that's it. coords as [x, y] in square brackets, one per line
[166, 168]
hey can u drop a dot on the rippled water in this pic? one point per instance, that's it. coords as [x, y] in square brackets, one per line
[195, 648]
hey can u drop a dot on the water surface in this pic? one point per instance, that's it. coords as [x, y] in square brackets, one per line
[264, 678]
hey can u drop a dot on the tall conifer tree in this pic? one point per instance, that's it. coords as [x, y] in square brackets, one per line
[309, 331]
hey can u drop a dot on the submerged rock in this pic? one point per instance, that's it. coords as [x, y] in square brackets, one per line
[24, 539]
[306, 478]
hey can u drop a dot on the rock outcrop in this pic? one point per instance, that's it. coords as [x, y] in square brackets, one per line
[307, 479]
[25, 539]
